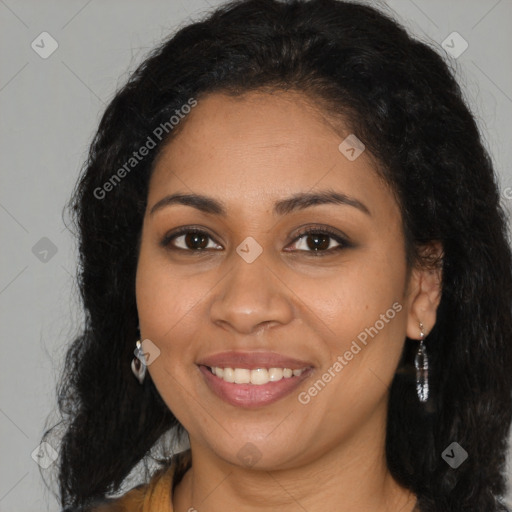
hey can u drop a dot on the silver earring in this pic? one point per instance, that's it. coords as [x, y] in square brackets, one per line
[139, 363]
[421, 364]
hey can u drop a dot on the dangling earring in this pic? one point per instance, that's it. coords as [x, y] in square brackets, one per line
[421, 364]
[139, 363]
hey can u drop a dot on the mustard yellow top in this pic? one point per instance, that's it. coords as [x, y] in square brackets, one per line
[154, 496]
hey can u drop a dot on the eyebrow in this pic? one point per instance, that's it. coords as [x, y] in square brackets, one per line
[291, 204]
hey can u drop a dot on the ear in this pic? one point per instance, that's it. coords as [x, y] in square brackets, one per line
[424, 291]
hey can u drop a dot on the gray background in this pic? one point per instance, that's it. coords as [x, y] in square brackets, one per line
[49, 111]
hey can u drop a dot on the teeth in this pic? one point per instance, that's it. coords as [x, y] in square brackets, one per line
[257, 376]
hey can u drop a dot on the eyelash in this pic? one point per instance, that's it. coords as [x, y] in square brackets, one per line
[344, 243]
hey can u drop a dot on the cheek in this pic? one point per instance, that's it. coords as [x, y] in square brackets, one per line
[165, 303]
[354, 296]
[364, 316]
[361, 310]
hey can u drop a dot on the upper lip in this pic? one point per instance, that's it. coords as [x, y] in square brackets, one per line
[252, 360]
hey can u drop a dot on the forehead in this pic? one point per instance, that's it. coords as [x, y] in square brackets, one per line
[252, 149]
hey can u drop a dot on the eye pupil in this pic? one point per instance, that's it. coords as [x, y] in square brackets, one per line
[316, 238]
[191, 239]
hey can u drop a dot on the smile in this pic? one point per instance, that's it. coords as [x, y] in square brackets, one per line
[258, 376]
[254, 388]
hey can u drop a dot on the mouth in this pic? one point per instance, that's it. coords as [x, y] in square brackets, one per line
[256, 376]
[253, 380]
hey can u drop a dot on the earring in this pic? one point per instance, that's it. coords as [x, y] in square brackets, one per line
[421, 364]
[139, 363]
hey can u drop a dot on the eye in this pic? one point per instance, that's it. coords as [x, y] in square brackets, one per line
[190, 239]
[316, 241]
[313, 240]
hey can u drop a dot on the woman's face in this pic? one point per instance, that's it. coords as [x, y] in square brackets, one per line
[250, 293]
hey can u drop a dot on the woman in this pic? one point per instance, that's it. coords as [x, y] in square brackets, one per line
[293, 256]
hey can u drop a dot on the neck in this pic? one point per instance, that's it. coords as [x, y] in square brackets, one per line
[350, 477]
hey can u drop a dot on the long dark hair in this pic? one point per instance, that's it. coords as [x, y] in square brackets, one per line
[399, 97]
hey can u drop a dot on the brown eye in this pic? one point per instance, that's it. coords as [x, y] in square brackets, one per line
[319, 241]
[314, 241]
[193, 240]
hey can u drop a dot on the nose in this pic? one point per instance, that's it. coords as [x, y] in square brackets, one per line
[251, 297]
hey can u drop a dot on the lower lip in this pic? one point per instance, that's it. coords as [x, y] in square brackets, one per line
[252, 395]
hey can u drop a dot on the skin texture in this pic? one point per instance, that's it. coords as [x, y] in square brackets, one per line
[328, 454]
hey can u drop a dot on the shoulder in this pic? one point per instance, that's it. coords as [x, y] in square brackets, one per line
[153, 495]
[131, 501]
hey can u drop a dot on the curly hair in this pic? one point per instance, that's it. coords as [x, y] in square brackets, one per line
[401, 98]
